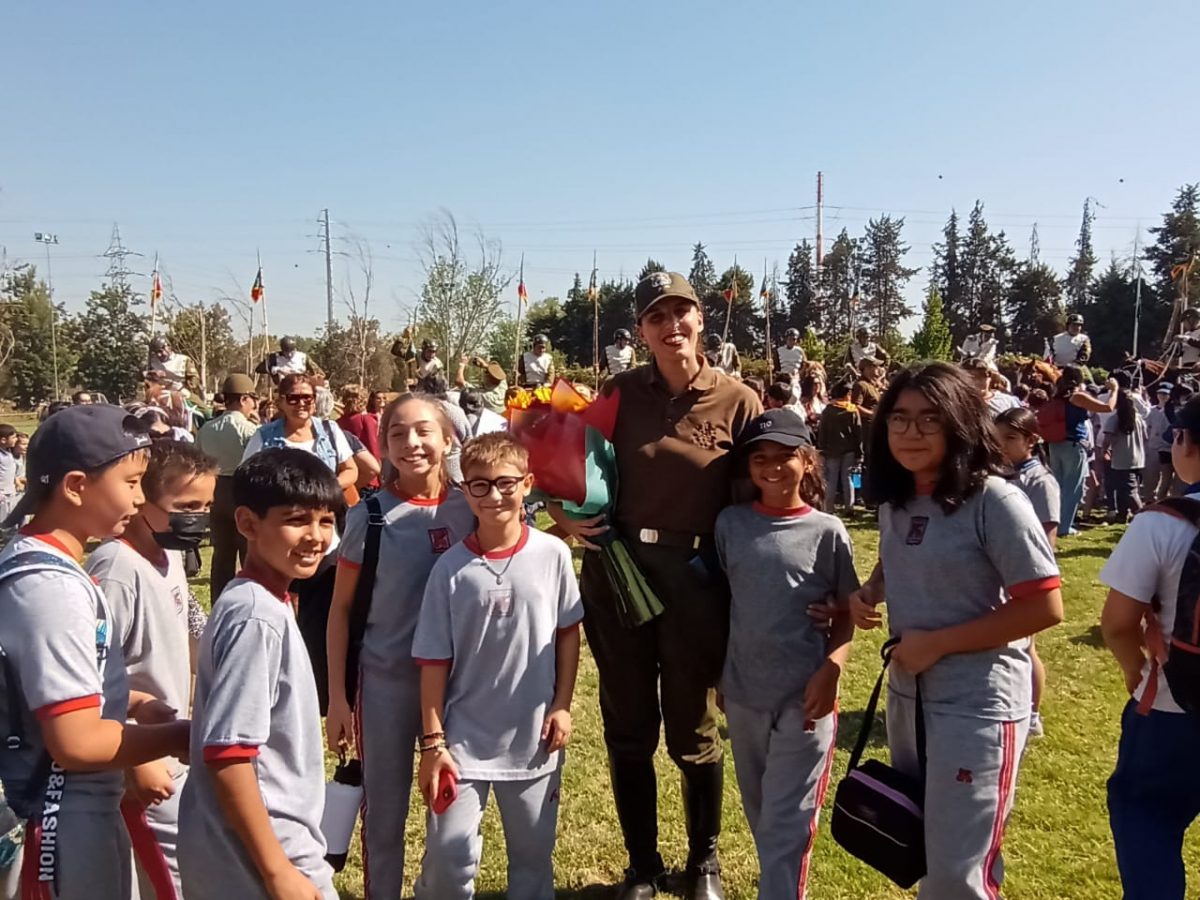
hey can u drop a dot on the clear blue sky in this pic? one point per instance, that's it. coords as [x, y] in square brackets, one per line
[207, 130]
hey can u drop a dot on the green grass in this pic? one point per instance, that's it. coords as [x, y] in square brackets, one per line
[1058, 844]
[23, 422]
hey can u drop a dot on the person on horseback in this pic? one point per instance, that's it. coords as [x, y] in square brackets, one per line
[981, 345]
[1188, 341]
[1072, 347]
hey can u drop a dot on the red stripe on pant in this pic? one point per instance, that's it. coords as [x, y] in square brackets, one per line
[147, 851]
[822, 789]
[1008, 760]
[31, 887]
[360, 744]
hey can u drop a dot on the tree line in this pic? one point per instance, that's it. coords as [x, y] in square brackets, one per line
[975, 278]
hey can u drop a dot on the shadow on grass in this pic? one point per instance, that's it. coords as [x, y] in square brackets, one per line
[849, 725]
[1093, 637]
[592, 891]
[1085, 552]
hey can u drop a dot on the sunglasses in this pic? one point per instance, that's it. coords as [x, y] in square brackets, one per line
[481, 487]
[299, 399]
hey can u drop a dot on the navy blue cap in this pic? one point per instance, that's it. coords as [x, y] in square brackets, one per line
[78, 439]
[783, 426]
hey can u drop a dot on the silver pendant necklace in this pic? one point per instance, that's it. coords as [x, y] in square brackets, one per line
[498, 575]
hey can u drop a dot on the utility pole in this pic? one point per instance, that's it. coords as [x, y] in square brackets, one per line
[324, 223]
[1035, 246]
[43, 238]
[118, 273]
[820, 222]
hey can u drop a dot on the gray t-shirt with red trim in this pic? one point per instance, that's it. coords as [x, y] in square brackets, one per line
[942, 570]
[778, 565]
[57, 632]
[416, 534]
[255, 699]
[495, 622]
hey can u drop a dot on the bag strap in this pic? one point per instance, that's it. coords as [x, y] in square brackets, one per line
[21, 562]
[864, 732]
[365, 589]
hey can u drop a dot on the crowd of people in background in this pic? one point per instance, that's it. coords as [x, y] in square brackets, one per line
[471, 618]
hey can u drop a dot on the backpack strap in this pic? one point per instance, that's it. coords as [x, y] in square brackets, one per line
[868, 721]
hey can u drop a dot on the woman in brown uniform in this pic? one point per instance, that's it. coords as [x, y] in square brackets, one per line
[675, 429]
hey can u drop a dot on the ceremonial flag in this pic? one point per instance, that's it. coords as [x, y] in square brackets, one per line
[593, 291]
[155, 287]
[256, 290]
[731, 292]
[522, 294]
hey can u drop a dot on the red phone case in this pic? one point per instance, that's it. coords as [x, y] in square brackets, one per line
[447, 792]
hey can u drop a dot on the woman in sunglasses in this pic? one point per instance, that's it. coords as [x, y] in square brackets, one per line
[301, 429]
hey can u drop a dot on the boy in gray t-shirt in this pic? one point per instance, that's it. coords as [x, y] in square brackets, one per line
[250, 818]
[498, 640]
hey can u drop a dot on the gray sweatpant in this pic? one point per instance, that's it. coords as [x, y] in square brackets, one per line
[388, 723]
[453, 842]
[782, 763]
[970, 783]
[86, 858]
[154, 834]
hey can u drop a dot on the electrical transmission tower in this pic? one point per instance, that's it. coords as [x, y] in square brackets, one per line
[118, 273]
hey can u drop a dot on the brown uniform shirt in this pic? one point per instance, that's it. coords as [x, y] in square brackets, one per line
[674, 454]
[871, 395]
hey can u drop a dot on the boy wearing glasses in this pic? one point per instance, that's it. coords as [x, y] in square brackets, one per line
[498, 643]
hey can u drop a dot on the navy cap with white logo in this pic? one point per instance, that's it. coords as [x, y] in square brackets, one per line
[783, 426]
[78, 439]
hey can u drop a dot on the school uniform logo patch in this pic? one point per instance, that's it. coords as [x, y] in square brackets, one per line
[500, 602]
[177, 596]
[916, 530]
[964, 776]
[439, 539]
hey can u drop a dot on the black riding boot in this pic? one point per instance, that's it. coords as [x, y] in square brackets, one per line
[702, 786]
[635, 790]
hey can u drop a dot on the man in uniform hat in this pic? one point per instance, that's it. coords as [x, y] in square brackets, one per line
[863, 347]
[493, 384]
[428, 364]
[287, 360]
[981, 345]
[537, 365]
[790, 357]
[1072, 347]
[224, 439]
[722, 355]
[619, 355]
[174, 371]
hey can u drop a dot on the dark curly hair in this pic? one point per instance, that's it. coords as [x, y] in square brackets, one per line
[972, 445]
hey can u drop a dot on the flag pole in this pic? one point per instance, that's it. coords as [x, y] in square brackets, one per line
[154, 299]
[266, 333]
[520, 318]
[594, 290]
[766, 292]
[731, 299]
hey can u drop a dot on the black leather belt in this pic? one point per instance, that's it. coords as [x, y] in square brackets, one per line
[683, 539]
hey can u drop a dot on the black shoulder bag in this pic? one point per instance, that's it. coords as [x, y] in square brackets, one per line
[878, 812]
[363, 591]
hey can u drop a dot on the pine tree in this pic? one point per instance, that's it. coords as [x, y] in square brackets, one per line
[27, 317]
[1110, 311]
[986, 268]
[703, 274]
[1034, 303]
[801, 310]
[111, 338]
[652, 265]
[933, 340]
[1176, 243]
[839, 288]
[946, 272]
[884, 275]
[1078, 283]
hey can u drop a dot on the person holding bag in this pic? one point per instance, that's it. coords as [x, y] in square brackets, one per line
[967, 576]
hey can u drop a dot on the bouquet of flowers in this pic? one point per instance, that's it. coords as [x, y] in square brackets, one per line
[570, 455]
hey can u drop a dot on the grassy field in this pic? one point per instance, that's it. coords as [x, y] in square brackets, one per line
[23, 422]
[1058, 844]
